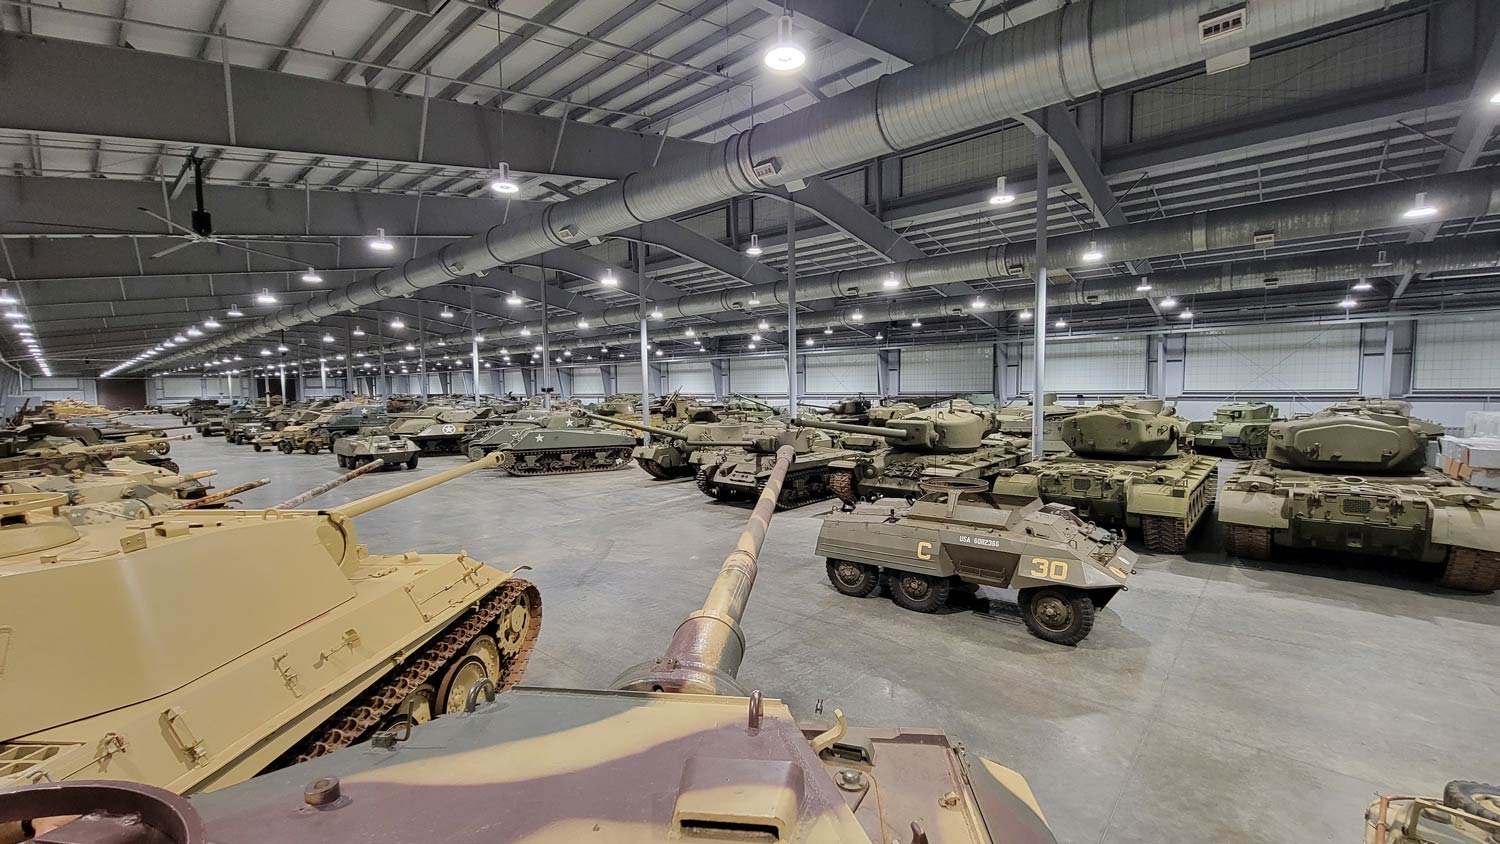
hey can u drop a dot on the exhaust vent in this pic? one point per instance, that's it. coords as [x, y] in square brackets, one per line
[1222, 24]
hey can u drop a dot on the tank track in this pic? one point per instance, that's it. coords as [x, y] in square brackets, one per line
[1248, 452]
[367, 711]
[1472, 570]
[841, 482]
[800, 487]
[703, 479]
[1247, 541]
[439, 446]
[1164, 535]
[512, 464]
[654, 469]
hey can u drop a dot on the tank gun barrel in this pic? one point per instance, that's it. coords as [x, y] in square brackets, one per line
[222, 495]
[846, 428]
[638, 426]
[708, 647]
[299, 499]
[360, 506]
[744, 397]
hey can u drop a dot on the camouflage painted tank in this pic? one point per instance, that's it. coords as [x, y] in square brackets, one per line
[252, 639]
[1353, 478]
[958, 536]
[115, 479]
[1015, 421]
[552, 442]
[678, 751]
[1237, 427]
[62, 456]
[741, 473]
[678, 452]
[942, 441]
[1467, 813]
[1126, 471]
[356, 450]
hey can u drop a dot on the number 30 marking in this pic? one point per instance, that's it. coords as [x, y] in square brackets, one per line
[1048, 569]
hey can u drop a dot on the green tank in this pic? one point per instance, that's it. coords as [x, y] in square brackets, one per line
[892, 459]
[552, 442]
[1015, 421]
[1126, 471]
[677, 452]
[1353, 478]
[741, 472]
[958, 536]
[355, 450]
[1239, 428]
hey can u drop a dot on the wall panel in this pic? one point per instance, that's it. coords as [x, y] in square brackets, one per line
[1290, 358]
[948, 369]
[1090, 366]
[1456, 356]
[757, 376]
[693, 378]
[841, 374]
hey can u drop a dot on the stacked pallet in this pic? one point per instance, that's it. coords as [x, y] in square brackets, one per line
[1473, 460]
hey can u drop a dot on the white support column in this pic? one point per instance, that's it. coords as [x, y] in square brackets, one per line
[1039, 319]
[791, 310]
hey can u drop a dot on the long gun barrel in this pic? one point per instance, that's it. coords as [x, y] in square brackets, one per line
[846, 428]
[708, 647]
[299, 500]
[637, 426]
[364, 505]
[221, 496]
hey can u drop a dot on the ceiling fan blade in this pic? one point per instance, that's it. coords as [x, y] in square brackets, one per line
[170, 249]
[148, 212]
[73, 226]
[259, 252]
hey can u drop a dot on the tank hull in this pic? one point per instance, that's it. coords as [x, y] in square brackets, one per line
[354, 451]
[564, 451]
[741, 475]
[1424, 517]
[895, 474]
[1163, 500]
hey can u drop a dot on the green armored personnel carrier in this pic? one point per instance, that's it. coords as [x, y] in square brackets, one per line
[552, 442]
[1126, 471]
[680, 749]
[1239, 428]
[943, 441]
[958, 536]
[1353, 478]
[677, 452]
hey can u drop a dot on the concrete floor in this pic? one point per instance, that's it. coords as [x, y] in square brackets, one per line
[1215, 700]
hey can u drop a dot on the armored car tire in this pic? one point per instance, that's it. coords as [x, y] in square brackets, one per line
[1477, 798]
[285, 446]
[310, 448]
[411, 462]
[918, 592]
[1057, 614]
[256, 446]
[1472, 570]
[857, 580]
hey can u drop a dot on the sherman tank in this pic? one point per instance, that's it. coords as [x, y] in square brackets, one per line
[1126, 471]
[358, 449]
[892, 460]
[677, 751]
[552, 442]
[1239, 428]
[1015, 421]
[679, 452]
[741, 472]
[251, 639]
[1467, 813]
[959, 536]
[1353, 478]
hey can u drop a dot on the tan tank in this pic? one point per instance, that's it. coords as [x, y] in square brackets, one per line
[1467, 813]
[66, 456]
[679, 751]
[120, 485]
[192, 650]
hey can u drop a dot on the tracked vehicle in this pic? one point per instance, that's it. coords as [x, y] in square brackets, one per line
[552, 442]
[1353, 478]
[677, 751]
[958, 536]
[112, 480]
[892, 460]
[741, 472]
[1126, 471]
[679, 452]
[1015, 421]
[1239, 428]
[1467, 813]
[251, 639]
[61, 456]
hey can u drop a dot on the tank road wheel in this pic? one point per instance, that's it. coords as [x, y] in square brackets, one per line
[654, 469]
[1056, 614]
[1247, 542]
[510, 629]
[171, 466]
[1472, 570]
[460, 677]
[411, 462]
[1164, 535]
[705, 480]
[857, 580]
[419, 707]
[311, 448]
[1476, 798]
[1241, 451]
[918, 592]
[486, 649]
[841, 483]
[476, 453]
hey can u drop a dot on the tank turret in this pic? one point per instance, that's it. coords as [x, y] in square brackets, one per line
[704, 433]
[931, 431]
[1371, 437]
[1124, 428]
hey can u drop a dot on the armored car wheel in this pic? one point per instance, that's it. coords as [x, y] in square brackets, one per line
[918, 592]
[1477, 798]
[1472, 570]
[857, 580]
[285, 446]
[311, 448]
[257, 447]
[1057, 614]
[411, 462]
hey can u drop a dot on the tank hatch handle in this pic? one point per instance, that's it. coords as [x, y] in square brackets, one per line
[768, 796]
[187, 742]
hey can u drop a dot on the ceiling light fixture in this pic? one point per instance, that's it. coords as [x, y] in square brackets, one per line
[358, 332]
[583, 323]
[857, 316]
[690, 332]
[446, 312]
[1061, 323]
[379, 243]
[234, 312]
[656, 314]
[891, 282]
[1347, 302]
[1168, 302]
[1187, 313]
[503, 183]
[916, 323]
[1419, 209]
[312, 277]
[1144, 286]
[265, 353]
[784, 56]
[828, 330]
[1092, 253]
[7, 299]
[1001, 196]
[808, 342]
[754, 250]
[397, 323]
[1026, 315]
[194, 331]
[1363, 284]
[609, 279]
[763, 325]
[281, 347]
[211, 323]
[525, 332]
[265, 297]
[514, 299]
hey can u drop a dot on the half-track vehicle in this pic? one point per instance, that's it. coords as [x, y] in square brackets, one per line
[1126, 471]
[252, 639]
[1239, 428]
[1467, 813]
[678, 750]
[241, 424]
[211, 421]
[1352, 477]
[959, 536]
[740, 473]
[552, 442]
[358, 449]
[679, 452]
[1015, 421]
[891, 460]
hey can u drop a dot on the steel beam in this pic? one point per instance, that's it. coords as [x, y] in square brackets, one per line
[43, 79]
[899, 31]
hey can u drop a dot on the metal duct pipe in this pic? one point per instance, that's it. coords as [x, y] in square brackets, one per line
[1084, 48]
